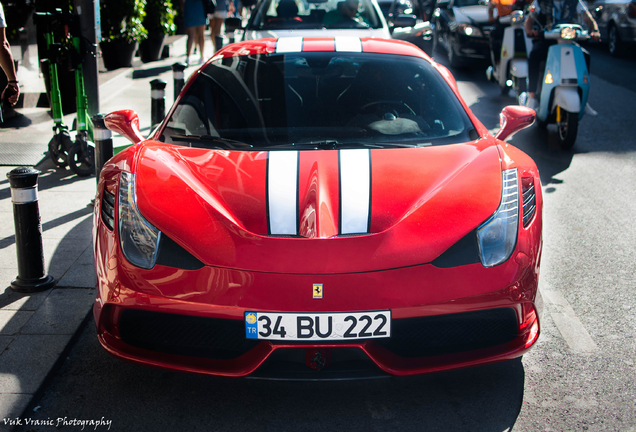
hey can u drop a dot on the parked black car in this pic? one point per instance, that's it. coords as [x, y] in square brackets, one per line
[397, 14]
[461, 28]
[617, 23]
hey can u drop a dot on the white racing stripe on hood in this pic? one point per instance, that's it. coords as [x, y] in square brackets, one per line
[282, 192]
[355, 191]
[348, 44]
[289, 44]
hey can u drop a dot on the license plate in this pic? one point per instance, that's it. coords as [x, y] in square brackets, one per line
[318, 326]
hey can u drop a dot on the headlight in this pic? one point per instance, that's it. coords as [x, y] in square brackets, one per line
[568, 33]
[469, 30]
[497, 237]
[139, 240]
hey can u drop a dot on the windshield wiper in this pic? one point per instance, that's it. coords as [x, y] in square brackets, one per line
[222, 142]
[336, 145]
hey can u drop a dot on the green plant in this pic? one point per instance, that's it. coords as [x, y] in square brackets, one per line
[123, 20]
[160, 16]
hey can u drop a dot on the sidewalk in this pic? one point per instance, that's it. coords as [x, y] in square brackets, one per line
[35, 330]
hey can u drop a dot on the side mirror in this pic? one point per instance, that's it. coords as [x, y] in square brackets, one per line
[514, 118]
[404, 20]
[233, 24]
[126, 123]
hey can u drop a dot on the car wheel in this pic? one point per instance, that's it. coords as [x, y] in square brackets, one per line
[614, 43]
[567, 129]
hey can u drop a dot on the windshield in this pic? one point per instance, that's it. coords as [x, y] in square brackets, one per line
[300, 14]
[319, 99]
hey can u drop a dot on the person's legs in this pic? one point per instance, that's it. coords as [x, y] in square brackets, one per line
[215, 30]
[538, 54]
[200, 40]
[496, 37]
[190, 31]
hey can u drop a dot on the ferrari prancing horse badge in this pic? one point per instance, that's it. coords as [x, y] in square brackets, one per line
[317, 290]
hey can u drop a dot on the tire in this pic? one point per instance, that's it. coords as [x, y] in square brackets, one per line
[81, 159]
[58, 147]
[567, 129]
[614, 44]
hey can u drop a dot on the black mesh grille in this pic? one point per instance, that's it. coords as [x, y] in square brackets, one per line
[448, 334]
[108, 209]
[185, 335]
[529, 204]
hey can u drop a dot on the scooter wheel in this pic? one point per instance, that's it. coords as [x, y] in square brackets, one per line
[81, 159]
[58, 146]
[567, 129]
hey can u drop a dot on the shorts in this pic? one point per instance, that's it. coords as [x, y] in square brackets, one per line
[219, 14]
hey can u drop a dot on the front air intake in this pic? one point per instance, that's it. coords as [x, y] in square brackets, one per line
[108, 209]
[529, 200]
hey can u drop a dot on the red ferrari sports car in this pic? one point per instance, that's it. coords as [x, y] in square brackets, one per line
[318, 208]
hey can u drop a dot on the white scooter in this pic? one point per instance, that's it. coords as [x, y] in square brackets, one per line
[512, 71]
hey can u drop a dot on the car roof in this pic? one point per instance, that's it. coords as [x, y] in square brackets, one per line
[317, 44]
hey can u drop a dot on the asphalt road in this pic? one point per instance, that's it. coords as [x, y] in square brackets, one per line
[581, 375]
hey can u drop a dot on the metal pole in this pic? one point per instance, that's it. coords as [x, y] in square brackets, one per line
[103, 143]
[158, 101]
[32, 276]
[88, 27]
[178, 75]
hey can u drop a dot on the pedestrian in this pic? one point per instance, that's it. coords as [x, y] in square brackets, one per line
[195, 19]
[223, 9]
[11, 92]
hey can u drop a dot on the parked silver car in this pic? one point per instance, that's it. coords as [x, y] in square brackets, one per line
[617, 23]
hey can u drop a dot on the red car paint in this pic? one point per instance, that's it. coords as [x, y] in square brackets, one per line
[423, 201]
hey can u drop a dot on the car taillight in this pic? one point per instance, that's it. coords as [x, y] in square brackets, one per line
[529, 199]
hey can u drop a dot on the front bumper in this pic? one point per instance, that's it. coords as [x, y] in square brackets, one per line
[194, 320]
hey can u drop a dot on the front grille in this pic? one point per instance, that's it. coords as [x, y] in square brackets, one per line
[185, 335]
[108, 209]
[449, 334]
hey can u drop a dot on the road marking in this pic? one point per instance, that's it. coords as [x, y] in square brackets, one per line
[568, 324]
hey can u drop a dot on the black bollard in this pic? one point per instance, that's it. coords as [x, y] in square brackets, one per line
[158, 101]
[218, 42]
[103, 143]
[178, 75]
[32, 276]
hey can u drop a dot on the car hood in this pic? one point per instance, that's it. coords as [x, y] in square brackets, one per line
[362, 33]
[219, 205]
[471, 14]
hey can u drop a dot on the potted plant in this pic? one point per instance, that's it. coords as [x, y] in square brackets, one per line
[122, 30]
[159, 22]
